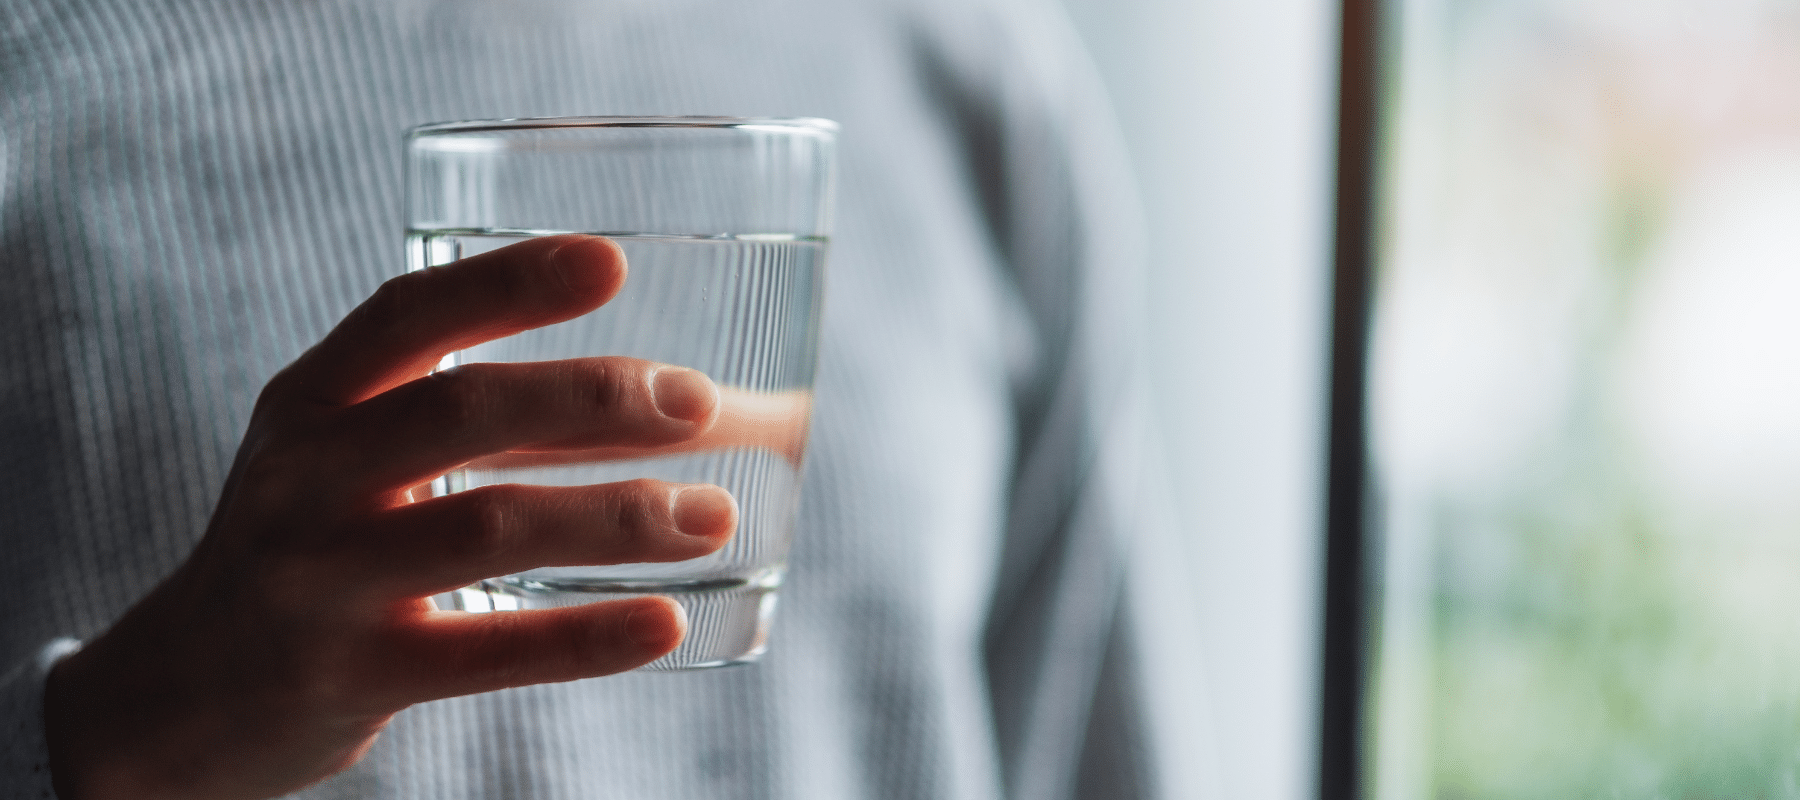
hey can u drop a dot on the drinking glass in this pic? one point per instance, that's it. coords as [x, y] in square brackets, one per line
[724, 224]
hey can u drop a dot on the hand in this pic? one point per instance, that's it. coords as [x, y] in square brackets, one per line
[299, 626]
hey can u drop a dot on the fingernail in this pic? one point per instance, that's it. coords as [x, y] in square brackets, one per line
[576, 264]
[683, 394]
[648, 626]
[703, 510]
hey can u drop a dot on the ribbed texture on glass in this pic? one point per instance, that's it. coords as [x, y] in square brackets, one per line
[668, 175]
[196, 190]
[740, 311]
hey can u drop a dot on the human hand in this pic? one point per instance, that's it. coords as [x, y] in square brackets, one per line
[300, 624]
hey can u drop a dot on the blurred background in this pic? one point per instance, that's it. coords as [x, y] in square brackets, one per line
[1586, 401]
[1584, 387]
[1229, 110]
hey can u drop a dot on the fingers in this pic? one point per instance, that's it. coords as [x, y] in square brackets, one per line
[402, 331]
[777, 421]
[447, 654]
[440, 422]
[452, 541]
[774, 421]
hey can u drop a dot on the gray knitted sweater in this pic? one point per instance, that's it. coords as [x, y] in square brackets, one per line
[193, 191]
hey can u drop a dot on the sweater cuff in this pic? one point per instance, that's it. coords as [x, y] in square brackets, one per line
[24, 757]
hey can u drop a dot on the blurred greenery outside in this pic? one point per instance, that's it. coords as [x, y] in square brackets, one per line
[1593, 631]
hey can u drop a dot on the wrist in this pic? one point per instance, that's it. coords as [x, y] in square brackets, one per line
[52, 714]
[92, 717]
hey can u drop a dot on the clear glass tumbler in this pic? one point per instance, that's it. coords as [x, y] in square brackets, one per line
[724, 224]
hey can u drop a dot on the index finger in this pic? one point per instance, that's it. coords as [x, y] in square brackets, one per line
[413, 320]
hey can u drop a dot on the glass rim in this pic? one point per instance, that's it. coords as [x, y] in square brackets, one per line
[806, 125]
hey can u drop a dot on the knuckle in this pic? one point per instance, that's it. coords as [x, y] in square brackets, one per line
[512, 287]
[284, 399]
[493, 656]
[450, 400]
[279, 476]
[397, 299]
[588, 644]
[275, 392]
[574, 644]
[493, 526]
[641, 512]
[606, 385]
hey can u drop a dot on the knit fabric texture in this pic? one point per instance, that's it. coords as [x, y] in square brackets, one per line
[194, 191]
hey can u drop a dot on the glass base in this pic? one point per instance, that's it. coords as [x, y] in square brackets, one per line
[728, 619]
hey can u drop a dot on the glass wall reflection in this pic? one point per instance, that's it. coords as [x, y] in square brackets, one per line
[1586, 402]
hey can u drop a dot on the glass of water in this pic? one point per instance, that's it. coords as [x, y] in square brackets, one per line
[724, 224]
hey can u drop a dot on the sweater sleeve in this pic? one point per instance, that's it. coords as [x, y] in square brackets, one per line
[24, 757]
[1064, 647]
